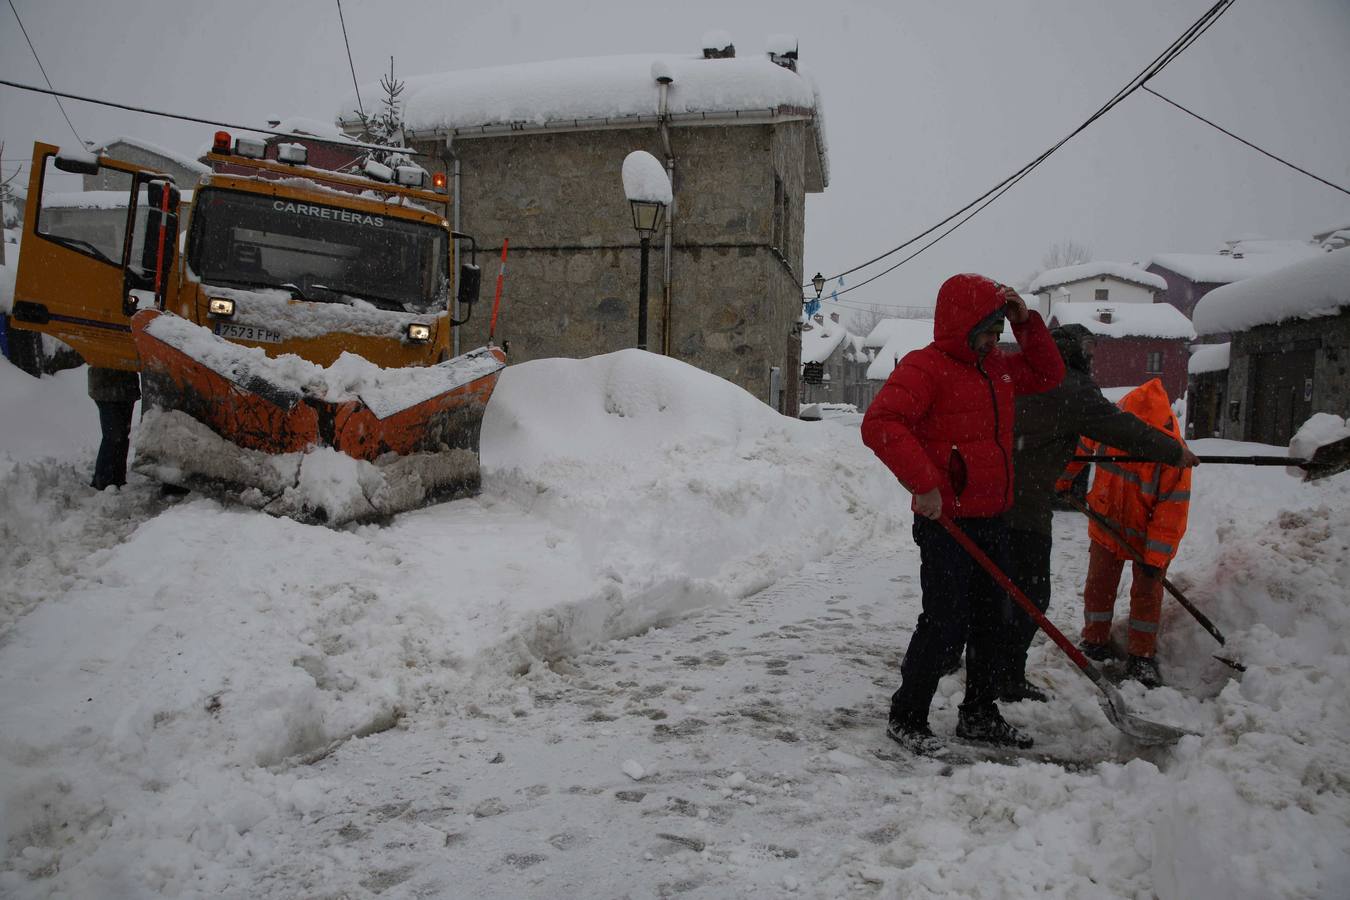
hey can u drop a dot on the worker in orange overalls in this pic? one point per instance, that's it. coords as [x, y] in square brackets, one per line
[1148, 504]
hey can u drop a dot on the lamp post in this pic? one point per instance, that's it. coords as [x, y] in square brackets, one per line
[648, 190]
[818, 283]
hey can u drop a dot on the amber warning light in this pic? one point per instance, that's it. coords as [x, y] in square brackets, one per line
[438, 181]
[221, 144]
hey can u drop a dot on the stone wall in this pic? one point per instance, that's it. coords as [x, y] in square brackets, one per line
[573, 263]
[1330, 335]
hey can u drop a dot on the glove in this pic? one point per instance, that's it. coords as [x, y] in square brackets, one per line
[1153, 572]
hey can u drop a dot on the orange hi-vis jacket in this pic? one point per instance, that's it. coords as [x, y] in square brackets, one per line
[1146, 502]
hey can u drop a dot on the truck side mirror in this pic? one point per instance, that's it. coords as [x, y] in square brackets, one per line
[470, 283]
[78, 162]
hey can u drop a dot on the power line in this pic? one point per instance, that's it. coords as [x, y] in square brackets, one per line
[153, 112]
[43, 69]
[359, 107]
[1282, 162]
[1160, 62]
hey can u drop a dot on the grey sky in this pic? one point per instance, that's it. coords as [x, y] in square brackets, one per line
[927, 104]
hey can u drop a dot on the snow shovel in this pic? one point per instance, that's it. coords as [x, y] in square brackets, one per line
[1328, 459]
[1172, 589]
[1142, 730]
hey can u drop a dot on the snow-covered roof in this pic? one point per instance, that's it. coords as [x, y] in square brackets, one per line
[884, 330]
[1118, 270]
[902, 337]
[1209, 358]
[305, 127]
[598, 92]
[181, 159]
[1305, 290]
[1156, 320]
[1245, 259]
[819, 339]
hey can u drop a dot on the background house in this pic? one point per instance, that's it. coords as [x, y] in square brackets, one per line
[889, 341]
[1290, 354]
[1190, 276]
[1135, 342]
[184, 169]
[1207, 390]
[534, 152]
[834, 363]
[1101, 281]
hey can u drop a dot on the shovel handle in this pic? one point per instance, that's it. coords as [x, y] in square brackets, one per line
[1015, 592]
[1212, 460]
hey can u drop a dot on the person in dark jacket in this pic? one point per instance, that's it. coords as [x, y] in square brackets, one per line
[115, 392]
[1047, 427]
[943, 425]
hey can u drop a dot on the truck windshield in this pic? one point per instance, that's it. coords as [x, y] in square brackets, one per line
[318, 251]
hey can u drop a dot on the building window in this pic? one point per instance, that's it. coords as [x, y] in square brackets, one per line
[1103, 294]
[1154, 366]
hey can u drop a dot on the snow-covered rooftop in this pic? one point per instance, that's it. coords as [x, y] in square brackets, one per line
[306, 127]
[1156, 320]
[599, 92]
[1244, 259]
[902, 337]
[181, 159]
[1209, 358]
[1118, 270]
[1315, 287]
[820, 339]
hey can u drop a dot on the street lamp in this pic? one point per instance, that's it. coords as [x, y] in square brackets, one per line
[648, 190]
[818, 283]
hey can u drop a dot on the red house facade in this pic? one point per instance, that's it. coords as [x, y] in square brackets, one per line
[1136, 342]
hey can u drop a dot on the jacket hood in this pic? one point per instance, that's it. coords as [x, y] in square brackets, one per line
[963, 302]
[1149, 402]
[1069, 340]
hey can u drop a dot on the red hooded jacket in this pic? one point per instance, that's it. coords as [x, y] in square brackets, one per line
[944, 419]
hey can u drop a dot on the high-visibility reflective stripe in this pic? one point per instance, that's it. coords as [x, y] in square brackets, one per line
[1145, 627]
[1175, 497]
[1091, 616]
[1160, 547]
[1118, 471]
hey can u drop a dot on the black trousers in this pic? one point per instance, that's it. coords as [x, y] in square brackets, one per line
[961, 605]
[114, 419]
[1030, 559]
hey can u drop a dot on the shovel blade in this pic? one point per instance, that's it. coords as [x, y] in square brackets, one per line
[1142, 730]
[1329, 459]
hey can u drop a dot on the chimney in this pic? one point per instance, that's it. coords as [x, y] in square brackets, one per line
[783, 51]
[834, 317]
[718, 45]
[1104, 316]
[820, 320]
[1237, 254]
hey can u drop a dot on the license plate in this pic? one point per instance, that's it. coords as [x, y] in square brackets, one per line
[237, 331]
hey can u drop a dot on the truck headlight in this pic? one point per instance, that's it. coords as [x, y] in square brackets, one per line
[419, 333]
[221, 307]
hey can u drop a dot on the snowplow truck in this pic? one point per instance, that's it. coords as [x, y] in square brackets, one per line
[293, 337]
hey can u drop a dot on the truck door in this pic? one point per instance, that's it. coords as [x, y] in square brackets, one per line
[89, 258]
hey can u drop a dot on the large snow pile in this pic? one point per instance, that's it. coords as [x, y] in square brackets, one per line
[1316, 287]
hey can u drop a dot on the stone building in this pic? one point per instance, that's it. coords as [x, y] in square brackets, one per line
[1290, 351]
[184, 169]
[533, 155]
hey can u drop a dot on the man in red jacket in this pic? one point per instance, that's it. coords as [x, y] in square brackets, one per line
[943, 423]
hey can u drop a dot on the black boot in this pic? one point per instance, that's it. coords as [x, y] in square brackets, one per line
[1097, 652]
[1017, 689]
[915, 736]
[1144, 669]
[986, 725]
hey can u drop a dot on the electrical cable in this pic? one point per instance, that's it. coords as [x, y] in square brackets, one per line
[359, 107]
[43, 69]
[154, 112]
[1160, 62]
[1282, 162]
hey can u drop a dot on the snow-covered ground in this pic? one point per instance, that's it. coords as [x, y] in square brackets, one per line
[653, 657]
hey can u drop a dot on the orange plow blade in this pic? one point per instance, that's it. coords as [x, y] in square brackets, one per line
[351, 442]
